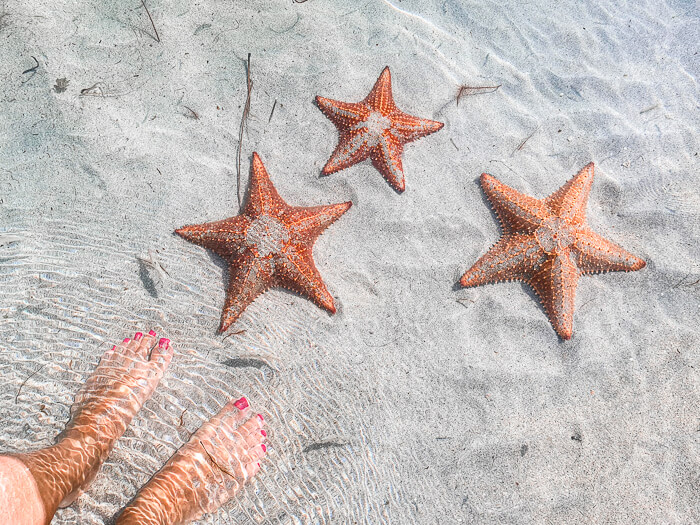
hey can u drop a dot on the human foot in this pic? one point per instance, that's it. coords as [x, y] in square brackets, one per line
[205, 473]
[124, 380]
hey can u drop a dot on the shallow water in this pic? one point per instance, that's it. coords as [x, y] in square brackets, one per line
[416, 402]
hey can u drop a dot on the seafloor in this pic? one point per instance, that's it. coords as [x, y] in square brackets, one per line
[417, 402]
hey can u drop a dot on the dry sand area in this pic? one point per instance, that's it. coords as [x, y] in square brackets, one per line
[418, 402]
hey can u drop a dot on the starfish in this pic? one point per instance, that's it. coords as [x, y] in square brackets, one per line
[267, 245]
[374, 128]
[547, 244]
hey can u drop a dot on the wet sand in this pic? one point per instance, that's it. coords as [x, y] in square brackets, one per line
[417, 402]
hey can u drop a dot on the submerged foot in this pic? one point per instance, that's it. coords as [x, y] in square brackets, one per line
[124, 380]
[205, 473]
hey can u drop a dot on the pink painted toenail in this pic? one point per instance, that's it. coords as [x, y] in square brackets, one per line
[261, 418]
[259, 465]
[262, 445]
[263, 433]
[152, 333]
[138, 336]
[127, 340]
[163, 342]
[241, 404]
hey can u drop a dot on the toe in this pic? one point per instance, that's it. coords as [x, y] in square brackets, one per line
[233, 413]
[252, 426]
[145, 343]
[252, 468]
[255, 438]
[162, 354]
[131, 345]
[257, 452]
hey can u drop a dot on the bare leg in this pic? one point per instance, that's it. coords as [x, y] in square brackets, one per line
[205, 473]
[123, 381]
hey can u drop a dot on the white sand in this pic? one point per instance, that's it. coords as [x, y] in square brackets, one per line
[407, 406]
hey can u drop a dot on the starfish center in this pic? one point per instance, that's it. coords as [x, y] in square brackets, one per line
[266, 235]
[376, 124]
[555, 235]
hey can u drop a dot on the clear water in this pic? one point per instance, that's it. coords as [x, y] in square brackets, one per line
[416, 402]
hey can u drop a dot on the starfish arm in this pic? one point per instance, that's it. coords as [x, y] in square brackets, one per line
[263, 197]
[386, 158]
[296, 271]
[409, 128]
[307, 224]
[225, 238]
[514, 257]
[249, 276]
[555, 285]
[342, 114]
[380, 98]
[516, 211]
[351, 149]
[595, 254]
[569, 202]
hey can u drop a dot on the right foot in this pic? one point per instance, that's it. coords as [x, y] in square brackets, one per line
[205, 473]
[124, 380]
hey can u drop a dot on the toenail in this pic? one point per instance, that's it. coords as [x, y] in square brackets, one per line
[126, 340]
[263, 433]
[259, 465]
[152, 333]
[163, 342]
[262, 445]
[138, 336]
[261, 418]
[241, 404]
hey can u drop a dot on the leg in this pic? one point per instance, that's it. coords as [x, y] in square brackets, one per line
[123, 381]
[205, 473]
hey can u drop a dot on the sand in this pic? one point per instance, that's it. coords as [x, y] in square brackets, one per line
[417, 402]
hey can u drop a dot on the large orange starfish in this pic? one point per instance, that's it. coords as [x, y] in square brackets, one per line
[547, 244]
[374, 128]
[268, 245]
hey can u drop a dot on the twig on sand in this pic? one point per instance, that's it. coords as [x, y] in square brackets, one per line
[244, 118]
[273, 110]
[474, 90]
[25, 381]
[152, 262]
[192, 113]
[157, 37]
[520, 146]
[31, 70]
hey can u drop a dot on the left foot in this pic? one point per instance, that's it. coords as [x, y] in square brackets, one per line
[123, 381]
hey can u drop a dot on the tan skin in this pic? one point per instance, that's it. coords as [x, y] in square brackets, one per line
[205, 473]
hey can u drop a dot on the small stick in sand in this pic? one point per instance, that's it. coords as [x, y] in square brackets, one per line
[246, 110]
[192, 113]
[31, 70]
[273, 110]
[25, 381]
[474, 90]
[157, 37]
[520, 146]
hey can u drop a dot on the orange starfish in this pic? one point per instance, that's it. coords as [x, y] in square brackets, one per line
[268, 245]
[374, 128]
[547, 244]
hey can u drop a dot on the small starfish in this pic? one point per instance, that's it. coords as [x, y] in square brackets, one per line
[547, 244]
[374, 128]
[268, 245]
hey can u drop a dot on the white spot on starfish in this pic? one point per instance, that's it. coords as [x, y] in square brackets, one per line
[266, 235]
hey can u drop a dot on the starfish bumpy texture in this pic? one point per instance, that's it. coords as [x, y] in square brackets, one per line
[547, 244]
[376, 129]
[268, 245]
